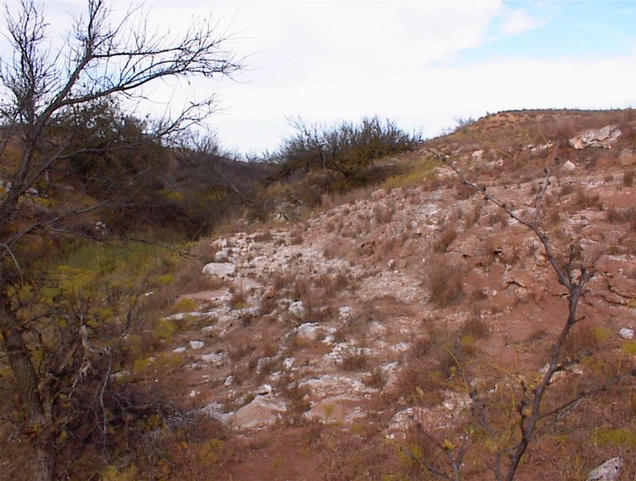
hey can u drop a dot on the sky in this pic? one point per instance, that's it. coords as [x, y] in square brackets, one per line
[424, 64]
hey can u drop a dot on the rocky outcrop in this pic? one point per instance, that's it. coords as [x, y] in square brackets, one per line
[600, 138]
[261, 412]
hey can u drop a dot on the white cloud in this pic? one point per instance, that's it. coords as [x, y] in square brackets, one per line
[330, 61]
[516, 21]
[433, 98]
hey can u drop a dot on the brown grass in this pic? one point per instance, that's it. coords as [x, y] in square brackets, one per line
[628, 178]
[376, 379]
[355, 359]
[296, 237]
[620, 216]
[419, 384]
[445, 239]
[583, 200]
[475, 328]
[444, 280]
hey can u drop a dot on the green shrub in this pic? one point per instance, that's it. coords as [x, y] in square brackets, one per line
[346, 148]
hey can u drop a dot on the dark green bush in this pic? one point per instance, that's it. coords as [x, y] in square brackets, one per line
[345, 148]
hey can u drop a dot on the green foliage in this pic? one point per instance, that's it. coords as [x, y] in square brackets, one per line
[614, 438]
[629, 347]
[113, 473]
[346, 148]
[165, 329]
[601, 334]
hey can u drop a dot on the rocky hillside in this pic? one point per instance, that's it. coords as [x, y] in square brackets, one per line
[350, 344]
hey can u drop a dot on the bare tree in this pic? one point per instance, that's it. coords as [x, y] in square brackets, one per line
[101, 60]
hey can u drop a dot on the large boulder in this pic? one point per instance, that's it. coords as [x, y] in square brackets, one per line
[263, 411]
[601, 138]
[220, 269]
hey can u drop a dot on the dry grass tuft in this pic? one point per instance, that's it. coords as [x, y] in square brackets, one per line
[419, 384]
[355, 359]
[445, 239]
[474, 327]
[620, 216]
[444, 280]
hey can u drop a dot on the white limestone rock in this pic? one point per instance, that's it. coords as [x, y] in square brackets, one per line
[610, 470]
[261, 412]
[220, 269]
[297, 309]
[600, 138]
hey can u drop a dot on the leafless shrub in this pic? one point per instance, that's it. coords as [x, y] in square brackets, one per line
[582, 200]
[420, 347]
[474, 327]
[382, 213]
[376, 379]
[264, 236]
[419, 384]
[471, 216]
[296, 237]
[566, 189]
[445, 239]
[584, 338]
[463, 192]
[205, 251]
[620, 216]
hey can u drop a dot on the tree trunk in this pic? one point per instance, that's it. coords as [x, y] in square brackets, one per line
[26, 380]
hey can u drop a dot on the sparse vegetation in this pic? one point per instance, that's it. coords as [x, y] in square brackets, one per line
[431, 324]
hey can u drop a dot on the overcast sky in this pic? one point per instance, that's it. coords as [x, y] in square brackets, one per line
[421, 63]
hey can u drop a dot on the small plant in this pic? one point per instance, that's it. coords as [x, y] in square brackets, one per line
[296, 237]
[444, 280]
[628, 178]
[355, 359]
[376, 379]
[445, 239]
[475, 328]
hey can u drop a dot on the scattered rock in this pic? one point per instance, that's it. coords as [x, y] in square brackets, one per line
[610, 470]
[196, 344]
[215, 411]
[264, 390]
[297, 309]
[180, 316]
[477, 155]
[223, 256]
[228, 381]
[627, 157]
[345, 313]
[179, 350]
[263, 363]
[378, 194]
[215, 359]
[263, 411]
[600, 138]
[311, 332]
[626, 333]
[569, 166]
